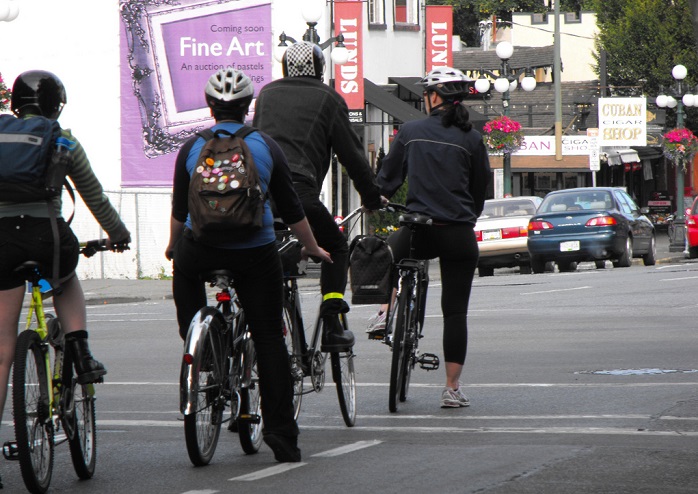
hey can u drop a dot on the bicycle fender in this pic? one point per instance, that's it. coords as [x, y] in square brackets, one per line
[198, 332]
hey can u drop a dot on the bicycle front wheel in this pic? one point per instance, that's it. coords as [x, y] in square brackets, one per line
[345, 378]
[32, 413]
[400, 362]
[250, 417]
[295, 355]
[203, 379]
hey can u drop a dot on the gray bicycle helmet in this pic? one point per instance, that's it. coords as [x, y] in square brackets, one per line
[447, 82]
[303, 59]
[229, 88]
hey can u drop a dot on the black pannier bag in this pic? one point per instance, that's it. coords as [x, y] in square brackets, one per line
[370, 265]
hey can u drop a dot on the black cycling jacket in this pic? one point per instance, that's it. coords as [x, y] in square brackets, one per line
[310, 120]
[448, 170]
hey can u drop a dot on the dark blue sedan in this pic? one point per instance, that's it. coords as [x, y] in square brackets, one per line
[589, 224]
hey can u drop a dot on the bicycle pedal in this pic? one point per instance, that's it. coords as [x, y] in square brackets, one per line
[428, 361]
[10, 451]
[376, 335]
[249, 418]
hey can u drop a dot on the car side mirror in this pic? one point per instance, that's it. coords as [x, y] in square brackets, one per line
[645, 210]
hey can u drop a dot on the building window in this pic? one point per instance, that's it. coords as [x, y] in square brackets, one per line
[376, 11]
[573, 17]
[406, 11]
[539, 18]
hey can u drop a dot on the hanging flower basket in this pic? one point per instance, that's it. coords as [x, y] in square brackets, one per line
[679, 146]
[5, 95]
[503, 135]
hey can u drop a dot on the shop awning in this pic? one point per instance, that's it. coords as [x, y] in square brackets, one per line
[620, 156]
[393, 106]
[407, 88]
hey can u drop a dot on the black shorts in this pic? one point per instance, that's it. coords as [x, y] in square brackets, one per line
[30, 239]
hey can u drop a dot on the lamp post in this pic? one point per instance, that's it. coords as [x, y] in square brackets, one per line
[678, 96]
[312, 11]
[505, 83]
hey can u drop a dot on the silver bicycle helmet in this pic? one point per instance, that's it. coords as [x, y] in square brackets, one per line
[447, 82]
[229, 88]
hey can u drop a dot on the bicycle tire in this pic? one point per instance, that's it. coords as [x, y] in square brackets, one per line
[344, 377]
[294, 354]
[32, 413]
[79, 421]
[400, 358]
[250, 426]
[202, 427]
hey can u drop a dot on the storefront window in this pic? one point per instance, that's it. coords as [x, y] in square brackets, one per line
[376, 11]
[406, 11]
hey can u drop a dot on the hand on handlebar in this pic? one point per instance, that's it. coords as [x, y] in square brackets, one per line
[316, 255]
[120, 245]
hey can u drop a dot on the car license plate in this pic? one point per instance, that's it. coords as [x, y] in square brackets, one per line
[571, 246]
[492, 235]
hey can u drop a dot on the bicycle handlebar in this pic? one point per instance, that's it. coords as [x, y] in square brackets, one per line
[91, 247]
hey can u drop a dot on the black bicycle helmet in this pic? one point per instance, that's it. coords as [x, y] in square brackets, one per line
[38, 91]
[229, 89]
[447, 82]
[303, 59]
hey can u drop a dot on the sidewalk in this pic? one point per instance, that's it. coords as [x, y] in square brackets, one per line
[118, 291]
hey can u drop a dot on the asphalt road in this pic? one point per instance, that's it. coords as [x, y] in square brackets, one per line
[582, 382]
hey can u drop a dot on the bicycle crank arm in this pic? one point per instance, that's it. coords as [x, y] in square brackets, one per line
[428, 361]
[10, 451]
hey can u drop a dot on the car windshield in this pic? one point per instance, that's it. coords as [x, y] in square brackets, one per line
[576, 201]
[500, 209]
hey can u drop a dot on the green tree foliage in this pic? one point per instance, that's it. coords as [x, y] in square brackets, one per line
[643, 40]
[468, 13]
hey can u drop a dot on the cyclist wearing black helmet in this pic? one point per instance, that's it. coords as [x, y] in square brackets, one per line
[447, 169]
[310, 121]
[252, 257]
[25, 229]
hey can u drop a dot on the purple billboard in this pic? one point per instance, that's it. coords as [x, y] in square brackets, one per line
[169, 49]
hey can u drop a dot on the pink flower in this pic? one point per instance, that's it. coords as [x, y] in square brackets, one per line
[503, 135]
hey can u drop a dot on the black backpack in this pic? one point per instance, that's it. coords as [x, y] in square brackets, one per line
[34, 158]
[28, 168]
[225, 194]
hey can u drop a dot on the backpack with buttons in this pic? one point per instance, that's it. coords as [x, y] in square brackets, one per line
[225, 194]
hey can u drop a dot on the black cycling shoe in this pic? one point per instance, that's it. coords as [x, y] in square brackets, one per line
[334, 338]
[87, 368]
[285, 448]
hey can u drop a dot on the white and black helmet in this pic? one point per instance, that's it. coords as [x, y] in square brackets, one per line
[447, 82]
[229, 88]
[303, 59]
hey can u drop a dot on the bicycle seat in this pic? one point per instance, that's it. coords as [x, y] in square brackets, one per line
[415, 219]
[29, 270]
[217, 277]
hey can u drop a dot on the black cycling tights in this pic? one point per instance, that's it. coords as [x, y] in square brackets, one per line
[456, 247]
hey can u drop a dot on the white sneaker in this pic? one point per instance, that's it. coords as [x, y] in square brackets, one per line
[376, 323]
[454, 398]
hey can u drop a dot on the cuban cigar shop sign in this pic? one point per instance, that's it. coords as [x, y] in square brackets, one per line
[622, 121]
[349, 77]
[580, 145]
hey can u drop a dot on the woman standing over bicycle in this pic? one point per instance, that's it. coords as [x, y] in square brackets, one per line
[447, 170]
[252, 257]
[26, 235]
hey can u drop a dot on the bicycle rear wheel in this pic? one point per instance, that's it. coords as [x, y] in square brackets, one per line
[294, 354]
[250, 417]
[32, 413]
[204, 380]
[79, 422]
[400, 363]
[345, 378]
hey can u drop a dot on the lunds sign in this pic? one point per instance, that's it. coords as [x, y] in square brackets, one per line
[439, 26]
[349, 77]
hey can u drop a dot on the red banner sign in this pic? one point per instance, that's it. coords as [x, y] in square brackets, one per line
[439, 27]
[349, 77]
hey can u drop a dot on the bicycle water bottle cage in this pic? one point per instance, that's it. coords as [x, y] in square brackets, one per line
[415, 220]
